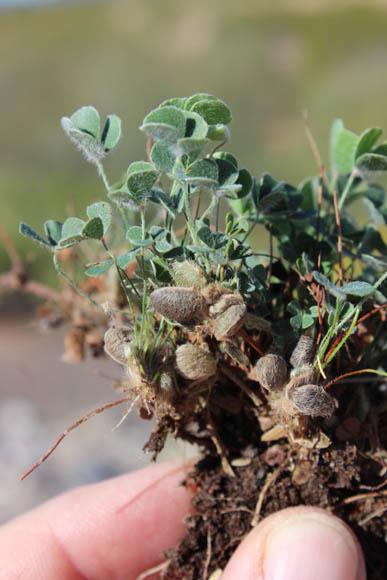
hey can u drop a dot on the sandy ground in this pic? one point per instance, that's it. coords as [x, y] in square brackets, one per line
[40, 396]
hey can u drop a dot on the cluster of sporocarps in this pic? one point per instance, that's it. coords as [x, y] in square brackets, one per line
[212, 310]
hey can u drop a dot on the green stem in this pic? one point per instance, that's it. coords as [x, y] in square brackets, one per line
[209, 208]
[336, 327]
[347, 188]
[217, 213]
[218, 147]
[124, 287]
[72, 282]
[102, 174]
[188, 213]
[380, 281]
[144, 329]
[249, 231]
[343, 340]
[331, 331]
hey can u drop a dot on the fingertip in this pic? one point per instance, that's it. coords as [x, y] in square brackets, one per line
[114, 529]
[298, 544]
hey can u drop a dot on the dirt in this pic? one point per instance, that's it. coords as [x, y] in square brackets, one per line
[271, 478]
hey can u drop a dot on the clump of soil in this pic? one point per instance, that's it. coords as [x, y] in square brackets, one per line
[252, 467]
[271, 478]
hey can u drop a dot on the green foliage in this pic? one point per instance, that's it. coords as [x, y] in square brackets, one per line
[84, 129]
[184, 190]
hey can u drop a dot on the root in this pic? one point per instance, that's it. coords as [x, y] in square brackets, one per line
[270, 479]
[208, 556]
[154, 570]
[73, 426]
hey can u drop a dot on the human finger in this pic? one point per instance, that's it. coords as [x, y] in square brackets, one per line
[298, 543]
[110, 530]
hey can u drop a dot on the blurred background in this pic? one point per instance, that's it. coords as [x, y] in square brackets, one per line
[268, 60]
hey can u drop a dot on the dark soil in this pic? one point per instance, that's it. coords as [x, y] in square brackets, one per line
[339, 479]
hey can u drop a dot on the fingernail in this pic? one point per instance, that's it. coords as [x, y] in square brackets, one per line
[309, 546]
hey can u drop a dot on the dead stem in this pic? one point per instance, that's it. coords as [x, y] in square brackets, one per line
[218, 445]
[154, 570]
[374, 487]
[246, 337]
[339, 238]
[363, 496]
[271, 255]
[73, 426]
[10, 248]
[208, 556]
[320, 368]
[270, 478]
[322, 177]
[230, 375]
[375, 514]
[362, 319]
[311, 139]
[337, 379]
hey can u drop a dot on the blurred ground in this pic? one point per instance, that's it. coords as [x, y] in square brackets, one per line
[268, 61]
[40, 397]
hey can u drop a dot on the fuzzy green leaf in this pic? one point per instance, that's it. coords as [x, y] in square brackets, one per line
[178, 102]
[213, 111]
[71, 232]
[98, 269]
[190, 146]
[227, 172]
[358, 288]
[157, 232]
[375, 263]
[381, 149]
[124, 198]
[367, 140]
[87, 143]
[196, 127]
[27, 231]
[93, 228]
[73, 226]
[162, 157]
[111, 132]
[269, 203]
[141, 177]
[372, 163]
[203, 172]
[126, 258]
[53, 230]
[165, 124]
[219, 133]
[191, 101]
[206, 236]
[343, 147]
[246, 181]
[227, 156]
[134, 235]
[87, 119]
[332, 289]
[162, 246]
[102, 210]
[158, 196]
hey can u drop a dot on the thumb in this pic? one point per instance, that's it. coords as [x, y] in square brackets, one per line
[300, 543]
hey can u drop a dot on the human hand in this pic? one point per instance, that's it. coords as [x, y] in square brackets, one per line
[118, 528]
